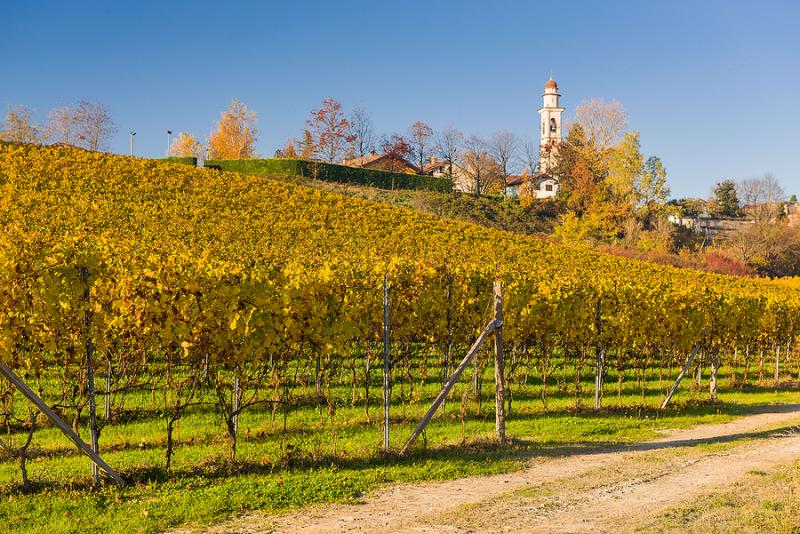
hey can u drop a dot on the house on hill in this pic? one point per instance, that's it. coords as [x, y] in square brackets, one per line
[383, 162]
[438, 168]
[791, 210]
[541, 185]
[446, 169]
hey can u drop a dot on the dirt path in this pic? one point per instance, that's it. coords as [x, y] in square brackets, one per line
[605, 490]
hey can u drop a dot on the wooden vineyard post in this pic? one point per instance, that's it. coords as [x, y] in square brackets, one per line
[367, 375]
[449, 348]
[60, 424]
[599, 363]
[777, 362]
[235, 401]
[683, 372]
[499, 364]
[386, 362]
[107, 411]
[712, 382]
[449, 385]
[316, 377]
[93, 433]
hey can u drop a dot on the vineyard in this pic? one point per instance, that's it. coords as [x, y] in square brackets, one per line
[164, 293]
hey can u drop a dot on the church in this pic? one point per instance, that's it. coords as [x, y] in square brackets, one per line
[544, 184]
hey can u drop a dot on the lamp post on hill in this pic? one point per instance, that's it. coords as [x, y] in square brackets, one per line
[169, 140]
[132, 134]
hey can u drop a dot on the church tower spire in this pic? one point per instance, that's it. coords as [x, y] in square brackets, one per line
[550, 123]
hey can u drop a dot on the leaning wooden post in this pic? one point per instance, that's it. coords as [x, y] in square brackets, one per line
[93, 434]
[499, 364]
[386, 362]
[683, 372]
[449, 385]
[60, 424]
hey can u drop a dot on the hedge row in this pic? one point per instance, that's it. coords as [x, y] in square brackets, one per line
[333, 173]
[191, 160]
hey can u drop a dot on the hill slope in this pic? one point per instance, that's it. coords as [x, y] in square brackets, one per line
[181, 226]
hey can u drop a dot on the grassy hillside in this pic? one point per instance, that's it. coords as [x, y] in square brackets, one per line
[492, 212]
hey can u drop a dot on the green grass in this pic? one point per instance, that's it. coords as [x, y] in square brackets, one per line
[335, 461]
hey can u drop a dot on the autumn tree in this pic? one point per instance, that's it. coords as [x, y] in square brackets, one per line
[397, 148]
[420, 137]
[592, 211]
[504, 148]
[625, 168]
[652, 190]
[87, 125]
[289, 151]
[611, 193]
[581, 172]
[602, 221]
[448, 148]
[689, 207]
[530, 156]
[18, 126]
[362, 132]
[603, 122]
[770, 247]
[481, 171]
[62, 126]
[186, 145]
[330, 131]
[236, 133]
[306, 145]
[95, 125]
[762, 197]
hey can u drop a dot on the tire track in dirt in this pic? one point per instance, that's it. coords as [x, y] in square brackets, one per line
[415, 507]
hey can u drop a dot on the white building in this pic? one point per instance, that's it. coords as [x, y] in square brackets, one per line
[544, 184]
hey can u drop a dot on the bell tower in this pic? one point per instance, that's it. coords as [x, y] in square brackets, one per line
[550, 123]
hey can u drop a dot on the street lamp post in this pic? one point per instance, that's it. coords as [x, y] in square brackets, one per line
[132, 134]
[169, 140]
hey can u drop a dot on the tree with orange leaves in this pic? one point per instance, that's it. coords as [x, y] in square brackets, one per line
[236, 133]
[185, 146]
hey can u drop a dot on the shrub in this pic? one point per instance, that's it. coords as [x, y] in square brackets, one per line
[333, 173]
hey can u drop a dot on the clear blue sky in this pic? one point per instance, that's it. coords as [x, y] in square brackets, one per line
[712, 87]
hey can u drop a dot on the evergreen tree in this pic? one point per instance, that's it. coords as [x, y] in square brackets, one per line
[727, 199]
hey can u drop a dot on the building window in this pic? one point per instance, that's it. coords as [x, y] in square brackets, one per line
[553, 126]
[548, 187]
